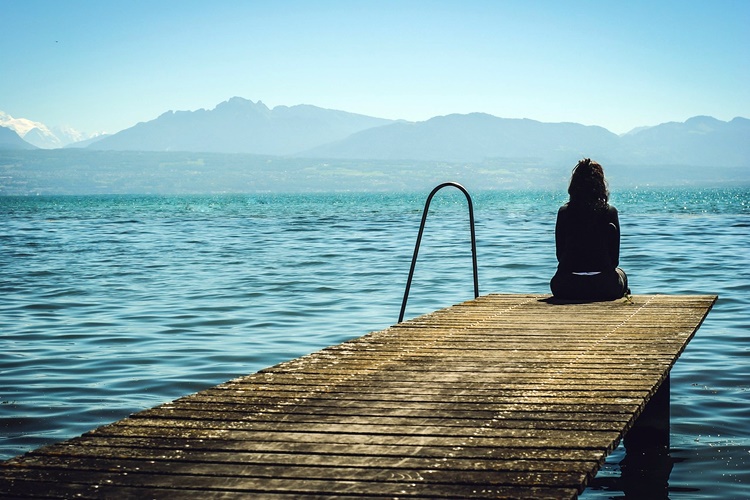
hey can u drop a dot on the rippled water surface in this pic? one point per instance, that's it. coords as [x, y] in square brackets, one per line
[109, 305]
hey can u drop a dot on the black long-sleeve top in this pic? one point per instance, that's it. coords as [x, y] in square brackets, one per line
[587, 240]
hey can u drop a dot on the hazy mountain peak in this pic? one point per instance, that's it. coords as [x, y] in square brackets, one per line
[636, 130]
[243, 105]
[703, 124]
[9, 139]
[703, 119]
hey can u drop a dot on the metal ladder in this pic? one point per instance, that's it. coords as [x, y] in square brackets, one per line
[419, 240]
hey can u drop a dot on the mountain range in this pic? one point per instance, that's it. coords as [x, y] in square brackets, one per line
[304, 131]
[240, 126]
[700, 140]
[40, 135]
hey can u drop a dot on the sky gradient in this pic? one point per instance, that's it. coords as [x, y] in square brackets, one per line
[105, 66]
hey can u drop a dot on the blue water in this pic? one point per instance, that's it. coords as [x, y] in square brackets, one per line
[109, 305]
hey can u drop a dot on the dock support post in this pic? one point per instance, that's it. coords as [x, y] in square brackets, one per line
[648, 464]
[651, 429]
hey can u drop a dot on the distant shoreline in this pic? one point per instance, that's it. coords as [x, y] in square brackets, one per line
[81, 172]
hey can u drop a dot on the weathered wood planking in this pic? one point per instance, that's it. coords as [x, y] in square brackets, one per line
[504, 396]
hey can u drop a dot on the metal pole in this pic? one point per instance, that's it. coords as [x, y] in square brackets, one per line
[419, 240]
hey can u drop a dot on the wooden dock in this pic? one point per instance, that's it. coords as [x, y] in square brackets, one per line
[504, 396]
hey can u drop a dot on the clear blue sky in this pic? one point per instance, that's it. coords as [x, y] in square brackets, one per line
[106, 65]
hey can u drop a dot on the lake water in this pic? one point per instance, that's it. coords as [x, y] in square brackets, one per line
[109, 305]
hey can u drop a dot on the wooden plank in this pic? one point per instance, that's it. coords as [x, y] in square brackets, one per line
[505, 396]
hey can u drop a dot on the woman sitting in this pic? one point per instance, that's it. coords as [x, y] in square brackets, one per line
[587, 239]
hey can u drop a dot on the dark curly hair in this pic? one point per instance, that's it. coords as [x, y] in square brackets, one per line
[588, 187]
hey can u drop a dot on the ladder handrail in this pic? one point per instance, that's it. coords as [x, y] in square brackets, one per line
[419, 240]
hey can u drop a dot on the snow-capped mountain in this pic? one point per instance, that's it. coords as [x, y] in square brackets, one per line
[40, 135]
